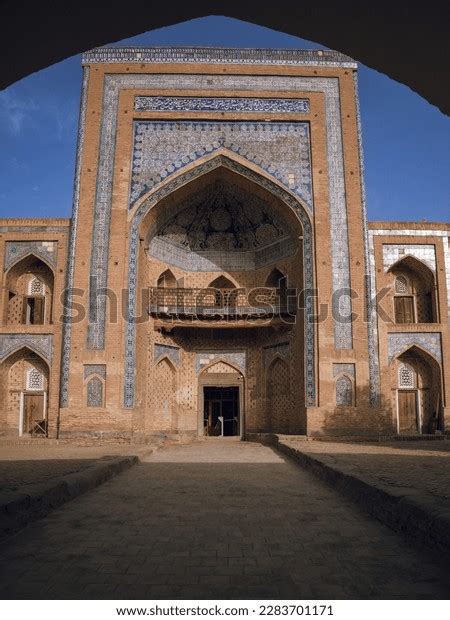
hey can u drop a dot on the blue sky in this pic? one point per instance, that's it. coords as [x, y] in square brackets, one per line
[406, 140]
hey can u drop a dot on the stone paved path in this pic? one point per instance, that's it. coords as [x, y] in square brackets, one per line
[23, 465]
[214, 519]
[419, 466]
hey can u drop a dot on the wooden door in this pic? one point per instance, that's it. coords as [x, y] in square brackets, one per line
[33, 411]
[38, 311]
[407, 411]
[404, 309]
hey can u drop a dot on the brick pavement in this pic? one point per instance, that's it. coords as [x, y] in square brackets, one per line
[215, 519]
[24, 465]
[422, 467]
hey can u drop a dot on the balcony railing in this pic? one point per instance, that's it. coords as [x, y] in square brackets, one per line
[216, 304]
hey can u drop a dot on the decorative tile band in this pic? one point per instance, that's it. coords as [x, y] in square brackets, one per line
[67, 327]
[220, 104]
[102, 209]
[15, 250]
[220, 55]
[166, 350]
[168, 188]
[41, 344]
[204, 358]
[94, 369]
[369, 277]
[401, 341]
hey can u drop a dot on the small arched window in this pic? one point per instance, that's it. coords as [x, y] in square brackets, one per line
[35, 379]
[344, 391]
[406, 377]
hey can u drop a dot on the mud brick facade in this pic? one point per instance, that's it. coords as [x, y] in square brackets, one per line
[218, 275]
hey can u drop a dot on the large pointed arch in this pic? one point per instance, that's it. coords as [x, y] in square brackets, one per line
[412, 262]
[22, 350]
[292, 204]
[38, 256]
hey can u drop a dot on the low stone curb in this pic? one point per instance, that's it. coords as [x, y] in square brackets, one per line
[418, 518]
[17, 509]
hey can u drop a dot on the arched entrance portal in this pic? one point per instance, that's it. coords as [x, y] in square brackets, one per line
[24, 390]
[228, 239]
[416, 382]
[221, 399]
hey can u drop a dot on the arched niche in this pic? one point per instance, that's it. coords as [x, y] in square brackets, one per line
[24, 383]
[276, 279]
[416, 384]
[414, 291]
[166, 280]
[29, 285]
[152, 212]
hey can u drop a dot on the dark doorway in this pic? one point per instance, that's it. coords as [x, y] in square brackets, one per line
[221, 411]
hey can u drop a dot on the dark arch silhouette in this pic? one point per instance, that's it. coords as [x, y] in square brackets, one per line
[415, 48]
[167, 280]
[221, 282]
[276, 279]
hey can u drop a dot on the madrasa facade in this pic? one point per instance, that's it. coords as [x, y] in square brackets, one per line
[218, 275]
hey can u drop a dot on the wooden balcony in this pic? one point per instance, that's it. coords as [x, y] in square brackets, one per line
[211, 307]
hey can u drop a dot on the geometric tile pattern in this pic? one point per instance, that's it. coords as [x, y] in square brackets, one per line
[399, 342]
[40, 343]
[16, 250]
[95, 392]
[162, 148]
[94, 369]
